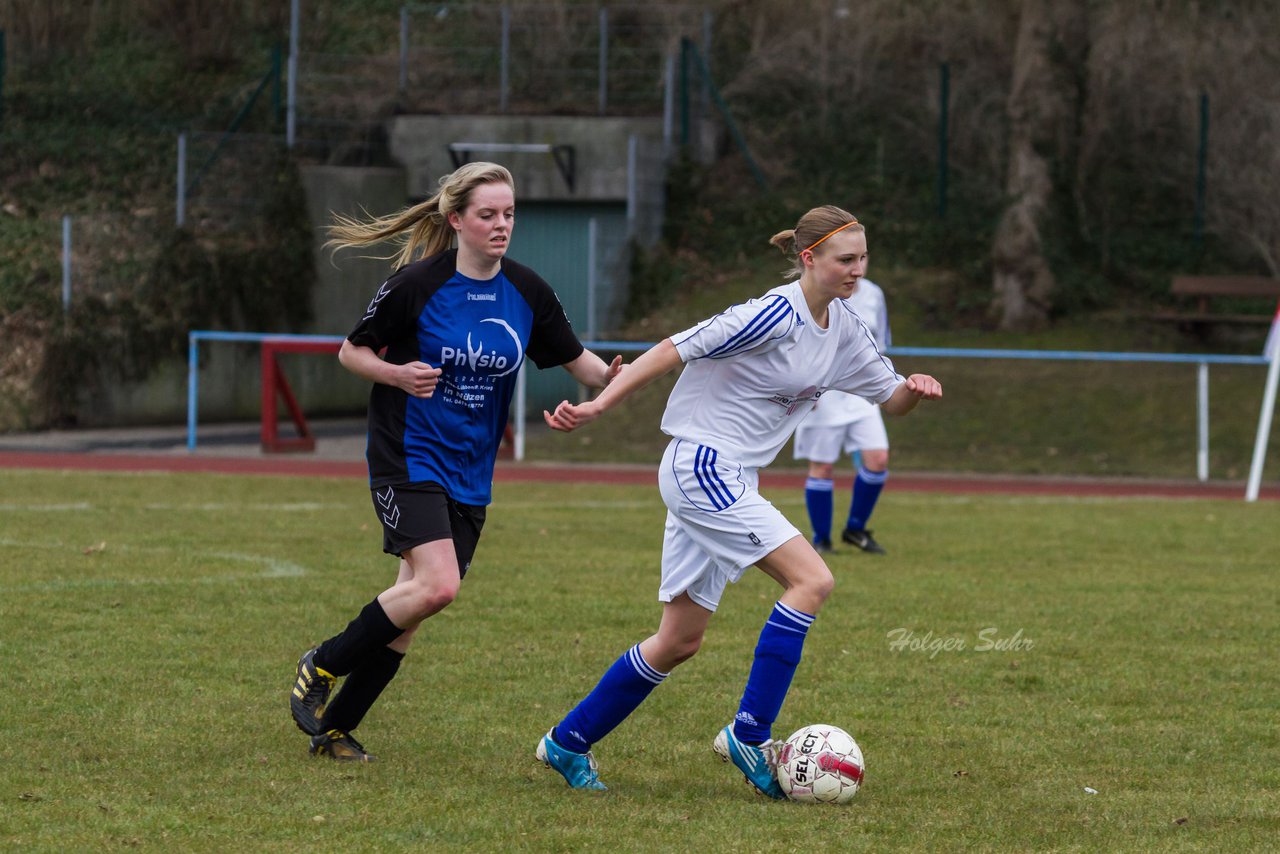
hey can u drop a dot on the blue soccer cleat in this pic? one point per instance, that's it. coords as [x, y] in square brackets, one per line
[578, 769]
[757, 764]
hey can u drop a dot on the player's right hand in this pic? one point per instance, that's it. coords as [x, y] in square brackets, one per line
[569, 417]
[417, 379]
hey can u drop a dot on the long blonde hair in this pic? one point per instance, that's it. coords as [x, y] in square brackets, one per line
[815, 226]
[423, 228]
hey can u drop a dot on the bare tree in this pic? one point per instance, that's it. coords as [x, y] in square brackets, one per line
[1042, 108]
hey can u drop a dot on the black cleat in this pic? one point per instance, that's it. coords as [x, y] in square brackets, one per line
[339, 746]
[862, 540]
[310, 693]
[822, 547]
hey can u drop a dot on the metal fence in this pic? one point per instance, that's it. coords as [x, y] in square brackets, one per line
[108, 255]
[491, 58]
[1201, 362]
[222, 178]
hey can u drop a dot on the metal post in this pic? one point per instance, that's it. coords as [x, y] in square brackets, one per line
[602, 97]
[66, 263]
[291, 117]
[1264, 428]
[633, 183]
[1202, 155]
[277, 62]
[706, 53]
[505, 64]
[668, 104]
[404, 49]
[181, 218]
[1202, 421]
[684, 92]
[2, 65]
[593, 275]
[944, 98]
[193, 374]
[521, 406]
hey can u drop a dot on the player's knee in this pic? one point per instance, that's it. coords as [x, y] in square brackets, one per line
[429, 599]
[820, 584]
[822, 471]
[673, 651]
[877, 460]
[686, 648]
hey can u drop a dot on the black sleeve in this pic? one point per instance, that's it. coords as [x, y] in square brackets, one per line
[552, 340]
[389, 315]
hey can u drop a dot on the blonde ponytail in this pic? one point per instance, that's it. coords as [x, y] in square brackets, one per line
[813, 228]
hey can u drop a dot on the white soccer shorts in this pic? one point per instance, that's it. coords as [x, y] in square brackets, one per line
[824, 444]
[718, 524]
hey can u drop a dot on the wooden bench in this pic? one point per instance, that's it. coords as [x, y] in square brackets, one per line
[1204, 289]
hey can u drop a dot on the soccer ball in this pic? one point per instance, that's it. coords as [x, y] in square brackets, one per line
[820, 764]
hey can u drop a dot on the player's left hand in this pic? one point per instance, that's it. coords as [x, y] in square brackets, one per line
[615, 368]
[924, 387]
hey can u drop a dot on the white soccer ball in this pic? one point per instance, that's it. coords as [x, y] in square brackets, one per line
[820, 764]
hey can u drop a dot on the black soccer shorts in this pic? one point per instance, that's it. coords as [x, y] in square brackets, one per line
[413, 514]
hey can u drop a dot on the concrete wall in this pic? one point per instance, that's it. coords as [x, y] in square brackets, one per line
[229, 375]
[421, 143]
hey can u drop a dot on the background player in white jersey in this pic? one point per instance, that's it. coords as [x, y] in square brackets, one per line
[750, 375]
[845, 423]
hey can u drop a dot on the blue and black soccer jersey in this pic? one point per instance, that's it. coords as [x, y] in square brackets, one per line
[477, 333]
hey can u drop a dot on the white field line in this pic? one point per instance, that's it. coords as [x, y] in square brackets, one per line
[271, 568]
[204, 507]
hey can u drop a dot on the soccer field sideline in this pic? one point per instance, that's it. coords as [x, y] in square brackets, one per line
[510, 472]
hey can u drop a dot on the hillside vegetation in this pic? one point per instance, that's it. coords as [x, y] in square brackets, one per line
[842, 104]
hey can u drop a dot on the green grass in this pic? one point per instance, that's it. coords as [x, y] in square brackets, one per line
[151, 625]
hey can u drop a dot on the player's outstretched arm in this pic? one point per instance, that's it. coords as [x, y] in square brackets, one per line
[657, 361]
[916, 388]
[590, 370]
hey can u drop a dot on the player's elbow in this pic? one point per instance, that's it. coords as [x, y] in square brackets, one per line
[900, 402]
[345, 353]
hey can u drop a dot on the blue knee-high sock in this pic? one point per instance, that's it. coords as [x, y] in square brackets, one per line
[777, 655]
[620, 691]
[866, 489]
[818, 497]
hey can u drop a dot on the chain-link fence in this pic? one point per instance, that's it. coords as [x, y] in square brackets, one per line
[222, 179]
[107, 255]
[490, 58]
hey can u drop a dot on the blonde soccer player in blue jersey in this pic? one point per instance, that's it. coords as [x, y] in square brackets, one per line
[751, 374]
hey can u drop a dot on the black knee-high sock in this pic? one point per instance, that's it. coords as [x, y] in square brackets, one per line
[361, 689]
[369, 631]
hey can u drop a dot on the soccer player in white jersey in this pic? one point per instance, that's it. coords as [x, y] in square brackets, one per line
[847, 423]
[751, 373]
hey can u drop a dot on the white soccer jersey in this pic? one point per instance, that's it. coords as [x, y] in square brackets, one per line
[752, 372]
[837, 409]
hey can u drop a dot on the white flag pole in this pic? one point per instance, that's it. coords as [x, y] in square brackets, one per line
[1268, 410]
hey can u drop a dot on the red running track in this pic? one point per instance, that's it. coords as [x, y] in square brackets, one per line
[508, 472]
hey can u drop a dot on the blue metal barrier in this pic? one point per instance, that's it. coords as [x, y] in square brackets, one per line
[1202, 362]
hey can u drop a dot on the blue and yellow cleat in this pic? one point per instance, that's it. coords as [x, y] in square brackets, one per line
[757, 764]
[578, 769]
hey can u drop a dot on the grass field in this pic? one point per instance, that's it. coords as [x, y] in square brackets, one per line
[151, 625]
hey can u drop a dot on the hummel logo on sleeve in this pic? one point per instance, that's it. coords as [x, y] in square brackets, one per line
[377, 298]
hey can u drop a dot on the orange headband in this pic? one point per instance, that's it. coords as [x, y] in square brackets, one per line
[828, 234]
